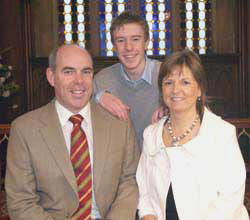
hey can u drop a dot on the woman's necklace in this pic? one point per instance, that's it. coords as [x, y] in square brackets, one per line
[176, 140]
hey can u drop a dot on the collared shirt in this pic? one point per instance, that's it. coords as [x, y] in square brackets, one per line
[64, 115]
[146, 75]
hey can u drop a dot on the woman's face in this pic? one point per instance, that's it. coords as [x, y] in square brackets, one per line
[180, 90]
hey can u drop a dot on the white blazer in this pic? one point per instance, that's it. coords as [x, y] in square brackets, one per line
[207, 173]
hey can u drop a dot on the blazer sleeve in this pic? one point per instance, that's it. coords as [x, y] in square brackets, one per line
[22, 200]
[229, 203]
[125, 204]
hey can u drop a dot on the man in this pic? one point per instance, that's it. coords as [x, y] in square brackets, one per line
[44, 178]
[130, 87]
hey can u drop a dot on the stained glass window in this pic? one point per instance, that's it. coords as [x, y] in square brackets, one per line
[109, 9]
[196, 25]
[155, 13]
[73, 21]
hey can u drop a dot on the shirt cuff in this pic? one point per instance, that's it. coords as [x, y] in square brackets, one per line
[99, 95]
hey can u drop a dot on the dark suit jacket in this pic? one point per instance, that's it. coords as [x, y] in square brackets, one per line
[40, 181]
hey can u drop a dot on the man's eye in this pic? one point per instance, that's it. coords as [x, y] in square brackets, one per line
[67, 72]
[136, 39]
[85, 72]
[167, 83]
[119, 40]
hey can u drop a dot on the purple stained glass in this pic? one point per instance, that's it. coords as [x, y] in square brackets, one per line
[168, 28]
[208, 5]
[60, 8]
[114, 8]
[102, 26]
[155, 26]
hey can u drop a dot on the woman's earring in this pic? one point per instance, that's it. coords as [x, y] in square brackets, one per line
[199, 99]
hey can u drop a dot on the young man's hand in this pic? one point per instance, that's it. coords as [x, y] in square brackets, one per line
[114, 105]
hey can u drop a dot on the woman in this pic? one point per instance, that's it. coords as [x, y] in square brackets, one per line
[191, 167]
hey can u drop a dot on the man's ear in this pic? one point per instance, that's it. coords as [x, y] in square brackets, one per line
[146, 44]
[114, 46]
[50, 77]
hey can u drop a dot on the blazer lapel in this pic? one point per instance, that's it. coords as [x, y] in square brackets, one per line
[101, 128]
[53, 136]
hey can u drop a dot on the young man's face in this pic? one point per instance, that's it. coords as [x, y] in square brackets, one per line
[130, 44]
[72, 79]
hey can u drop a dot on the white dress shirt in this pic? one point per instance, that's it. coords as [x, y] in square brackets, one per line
[67, 126]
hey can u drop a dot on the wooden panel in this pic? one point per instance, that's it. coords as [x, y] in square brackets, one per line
[94, 28]
[243, 134]
[244, 49]
[42, 92]
[175, 22]
[224, 26]
[45, 26]
[13, 36]
[223, 84]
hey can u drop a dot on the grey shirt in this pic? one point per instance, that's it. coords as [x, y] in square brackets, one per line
[142, 96]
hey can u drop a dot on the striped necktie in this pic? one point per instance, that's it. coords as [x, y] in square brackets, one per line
[79, 155]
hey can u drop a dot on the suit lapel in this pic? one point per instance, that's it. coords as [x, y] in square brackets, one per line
[53, 136]
[101, 127]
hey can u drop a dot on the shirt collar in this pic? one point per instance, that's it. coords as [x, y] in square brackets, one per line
[64, 114]
[146, 75]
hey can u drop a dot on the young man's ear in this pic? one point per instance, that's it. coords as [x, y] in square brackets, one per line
[50, 77]
[146, 44]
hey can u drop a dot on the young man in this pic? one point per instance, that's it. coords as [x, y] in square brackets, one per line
[60, 167]
[129, 88]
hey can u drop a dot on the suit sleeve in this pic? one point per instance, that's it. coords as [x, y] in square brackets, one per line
[229, 203]
[125, 204]
[22, 199]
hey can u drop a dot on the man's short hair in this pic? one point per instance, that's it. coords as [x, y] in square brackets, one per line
[53, 54]
[129, 18]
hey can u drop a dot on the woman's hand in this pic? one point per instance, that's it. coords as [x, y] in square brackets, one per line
[149, 217]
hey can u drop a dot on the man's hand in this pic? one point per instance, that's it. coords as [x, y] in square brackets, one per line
[114, 105]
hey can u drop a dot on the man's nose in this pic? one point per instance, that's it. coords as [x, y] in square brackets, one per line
[128, 45]
[78, 77]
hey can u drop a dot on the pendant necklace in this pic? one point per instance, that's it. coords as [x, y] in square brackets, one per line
[175, 139]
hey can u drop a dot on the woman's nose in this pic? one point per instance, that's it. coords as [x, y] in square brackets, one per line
[176, 87]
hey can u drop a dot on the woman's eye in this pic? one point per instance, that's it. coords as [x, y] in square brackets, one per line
[186, 82]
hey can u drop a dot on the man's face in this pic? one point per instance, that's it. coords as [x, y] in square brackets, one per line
[72, 79]
[130, 44]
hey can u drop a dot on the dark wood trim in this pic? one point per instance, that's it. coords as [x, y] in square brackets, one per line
[28, 39]
[243, 42]
[94, 31]
[239, 122]
[4, 128]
